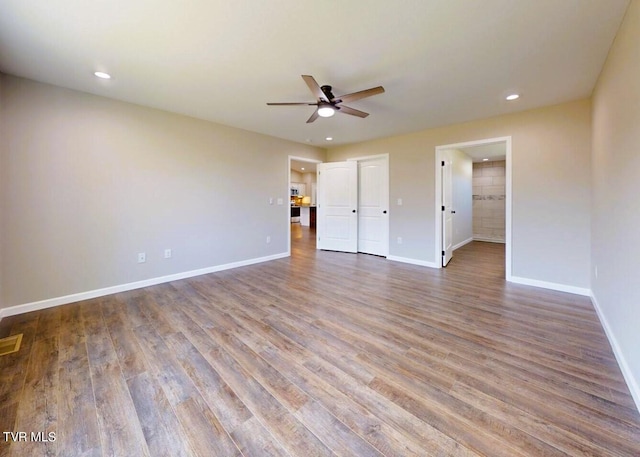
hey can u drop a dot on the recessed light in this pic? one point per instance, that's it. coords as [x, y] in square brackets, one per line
[302, 168]
[102, 75]
[485, 160]
[329, 138]
[513, 97]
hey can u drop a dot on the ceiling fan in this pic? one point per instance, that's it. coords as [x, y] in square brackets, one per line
[327, 104]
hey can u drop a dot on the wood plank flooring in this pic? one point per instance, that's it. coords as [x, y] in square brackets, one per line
[319, 354]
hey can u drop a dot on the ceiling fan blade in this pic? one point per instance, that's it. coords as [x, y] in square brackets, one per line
[313, 117]
[353, 112]
[292, 103]
[358, 95]
[314, 87]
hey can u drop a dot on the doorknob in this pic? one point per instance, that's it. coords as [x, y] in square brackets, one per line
[353, 211]
[453, 212]
[384, 212]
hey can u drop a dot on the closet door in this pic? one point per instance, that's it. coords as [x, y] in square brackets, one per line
[337, 208]
[373, 203]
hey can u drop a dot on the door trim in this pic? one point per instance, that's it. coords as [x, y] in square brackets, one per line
[288, 199]
[508, 200]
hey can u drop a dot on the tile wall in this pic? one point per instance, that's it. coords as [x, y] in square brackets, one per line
[489, 201]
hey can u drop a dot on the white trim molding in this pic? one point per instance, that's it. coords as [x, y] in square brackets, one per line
[488, 240]
[57, 301]
[422, 263]
[550, 285]
[632, 382]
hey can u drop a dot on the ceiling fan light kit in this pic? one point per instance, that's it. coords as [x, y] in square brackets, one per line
[326, 110]
[327, 104]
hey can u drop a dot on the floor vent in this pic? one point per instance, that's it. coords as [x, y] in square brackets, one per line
[10, 344]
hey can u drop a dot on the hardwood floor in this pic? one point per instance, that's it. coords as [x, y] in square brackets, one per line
[322, 353]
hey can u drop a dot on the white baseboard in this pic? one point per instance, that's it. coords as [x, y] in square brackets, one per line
[488, 240]
[550, 285]
[462, 243]
[51, 302]
[422, 263]
[632, 382]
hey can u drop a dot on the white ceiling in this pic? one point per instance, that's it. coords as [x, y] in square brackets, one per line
[491, 151]
[303, 167]
[440, 61]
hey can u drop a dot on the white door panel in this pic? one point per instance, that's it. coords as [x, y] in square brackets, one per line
[337, 218]
[373, 219]
[338, 227]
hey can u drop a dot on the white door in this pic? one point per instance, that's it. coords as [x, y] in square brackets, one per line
[337, 218]
[373, 195]
[447, 211]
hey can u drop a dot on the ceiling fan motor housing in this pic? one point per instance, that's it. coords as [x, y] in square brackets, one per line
[327, 91]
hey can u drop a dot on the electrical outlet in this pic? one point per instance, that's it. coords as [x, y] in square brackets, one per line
[268, 239]
[167, 253]
[399, 240]
[142, 257]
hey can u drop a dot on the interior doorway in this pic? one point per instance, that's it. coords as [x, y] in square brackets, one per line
[302, 192]
[495, 151]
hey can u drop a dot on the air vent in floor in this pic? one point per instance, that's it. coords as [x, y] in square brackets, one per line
[10, 344]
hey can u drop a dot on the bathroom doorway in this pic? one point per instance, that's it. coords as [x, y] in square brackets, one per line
[484, 215]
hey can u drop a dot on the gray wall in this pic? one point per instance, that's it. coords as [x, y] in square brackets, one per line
[87, 183]
[616, 191]
[551, 171]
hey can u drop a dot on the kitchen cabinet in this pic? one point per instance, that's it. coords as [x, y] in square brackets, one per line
[295, 214]
[298, 189]
[308, 216]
